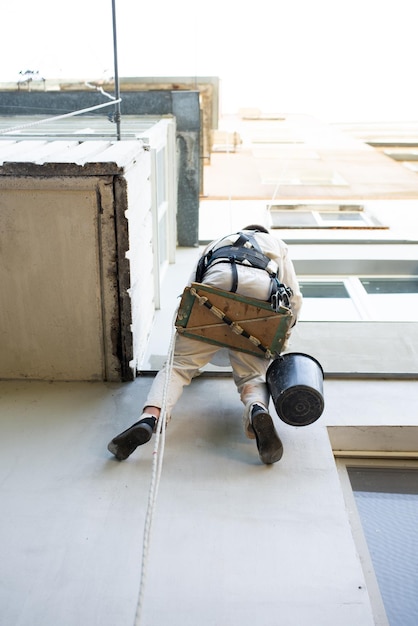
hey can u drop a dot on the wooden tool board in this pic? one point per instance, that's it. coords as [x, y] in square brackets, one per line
[256, 317]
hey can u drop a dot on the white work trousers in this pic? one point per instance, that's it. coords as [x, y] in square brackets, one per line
[249, 373]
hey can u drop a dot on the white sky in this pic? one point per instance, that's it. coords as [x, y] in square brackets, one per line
[342, 59]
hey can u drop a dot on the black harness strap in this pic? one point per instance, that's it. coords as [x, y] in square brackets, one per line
[245, 251]
[241, 255]
[239, 252]
[234, 285]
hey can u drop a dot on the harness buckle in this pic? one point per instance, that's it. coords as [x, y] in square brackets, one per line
[275, 302]
[282, 294]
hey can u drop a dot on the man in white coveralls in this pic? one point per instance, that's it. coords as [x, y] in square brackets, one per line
[251, 263]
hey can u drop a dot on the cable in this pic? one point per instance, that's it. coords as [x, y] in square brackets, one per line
[157, 463]
[115, 61]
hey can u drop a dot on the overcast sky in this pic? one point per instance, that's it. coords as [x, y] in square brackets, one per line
[343, 59]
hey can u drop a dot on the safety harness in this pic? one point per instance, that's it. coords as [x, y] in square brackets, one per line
[245, 251]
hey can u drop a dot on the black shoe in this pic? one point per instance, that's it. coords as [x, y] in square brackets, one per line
[124, 444]
[270, 448]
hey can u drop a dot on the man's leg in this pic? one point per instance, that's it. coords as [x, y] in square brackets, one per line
[250, 378]
[189, 356]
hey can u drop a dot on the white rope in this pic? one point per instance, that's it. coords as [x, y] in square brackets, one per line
[157, 463]
[60, 117]
[102, 91]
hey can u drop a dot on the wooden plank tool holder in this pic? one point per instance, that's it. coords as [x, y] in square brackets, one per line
[232, 321]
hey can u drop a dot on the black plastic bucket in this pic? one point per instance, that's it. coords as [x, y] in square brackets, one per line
[295, 382]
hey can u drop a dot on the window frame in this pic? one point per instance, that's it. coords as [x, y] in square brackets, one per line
[315, 214]
[362, 301]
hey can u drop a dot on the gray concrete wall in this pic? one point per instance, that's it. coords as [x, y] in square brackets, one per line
[233, 542]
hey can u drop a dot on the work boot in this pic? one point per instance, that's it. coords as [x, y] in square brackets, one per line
[270, 448]
[124, 444]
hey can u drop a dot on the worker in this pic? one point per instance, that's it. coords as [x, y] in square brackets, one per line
[251, 263]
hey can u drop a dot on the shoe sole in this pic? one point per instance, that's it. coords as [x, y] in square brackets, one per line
[127, 442]
[270, 448]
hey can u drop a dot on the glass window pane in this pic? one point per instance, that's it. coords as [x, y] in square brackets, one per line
[292, 219]
[392, 298]
[327, 301]
[323, 289]
[387, 501]
[342, 217]
[390, 285]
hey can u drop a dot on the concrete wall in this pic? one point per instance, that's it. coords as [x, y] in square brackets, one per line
[67, 290]
[51, 320]
[233, 542]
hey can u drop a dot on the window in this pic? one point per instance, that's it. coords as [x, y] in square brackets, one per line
[387, 503]
[391, 298]
[342, 217]
[381, 497]
[327, 300]
[329, 289]
[322, 216]
[359, 298]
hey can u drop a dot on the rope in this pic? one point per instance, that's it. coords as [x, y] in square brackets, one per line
[101, 90]
[236, 328]
[60, 117]
[157, 463]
